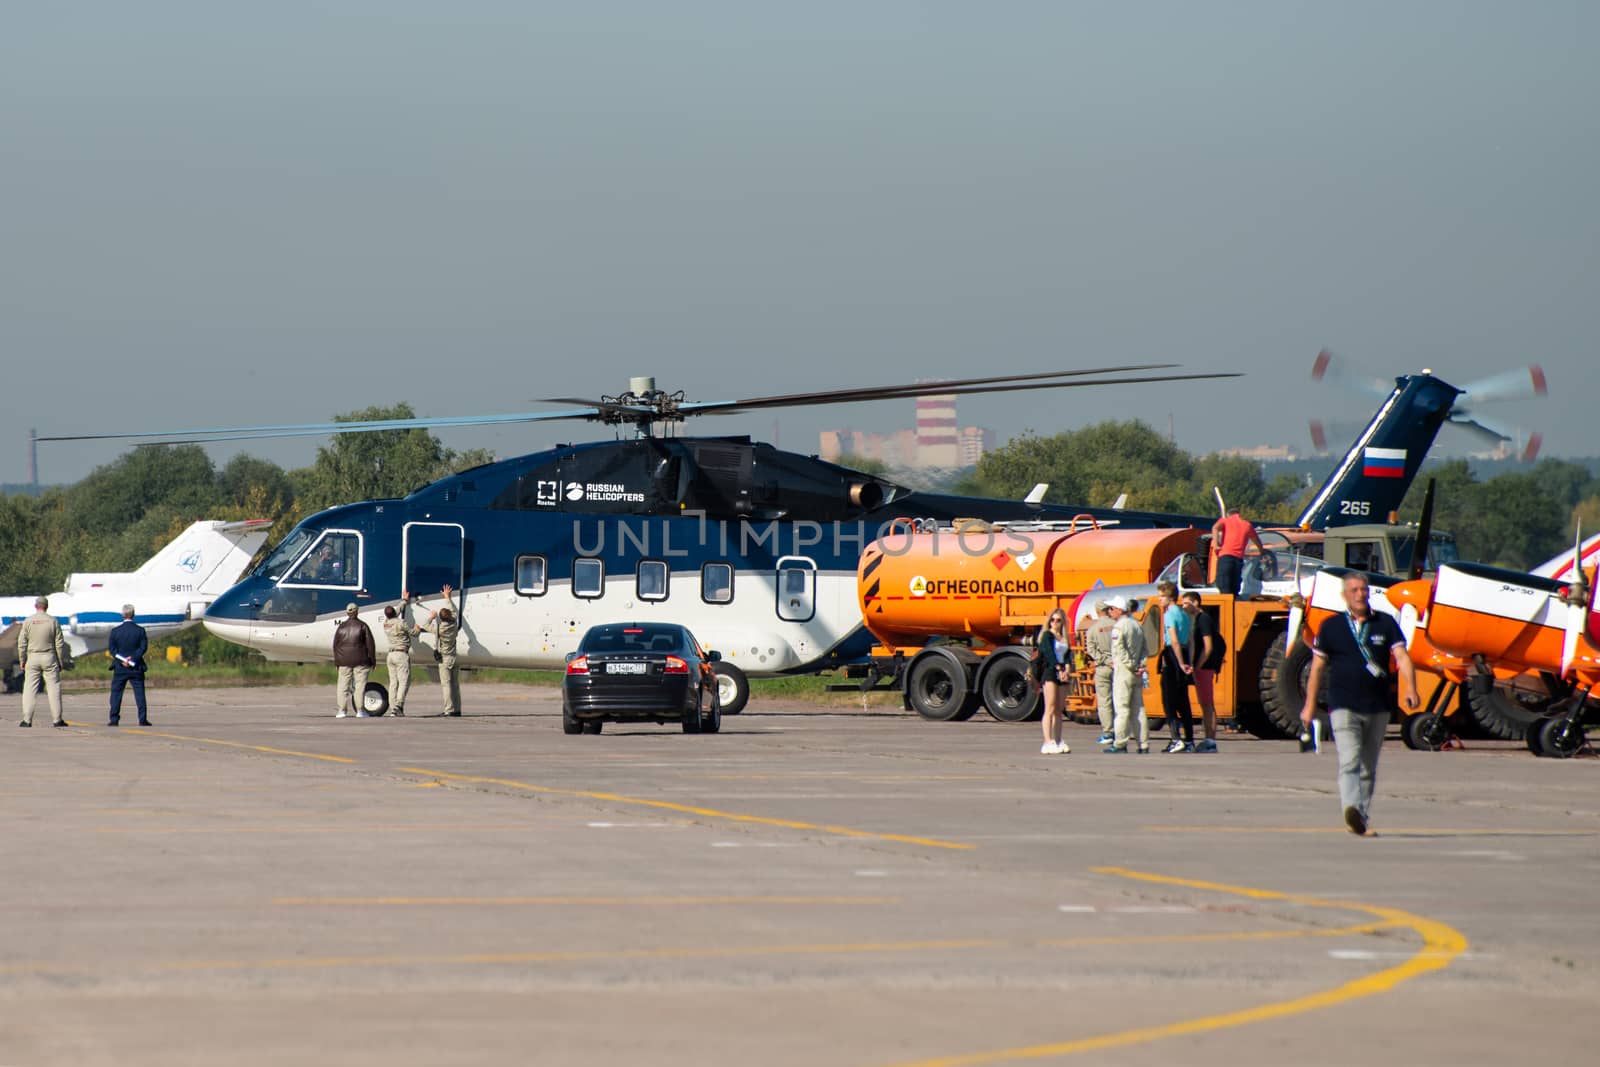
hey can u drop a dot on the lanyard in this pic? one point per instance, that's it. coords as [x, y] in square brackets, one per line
[1360, 631]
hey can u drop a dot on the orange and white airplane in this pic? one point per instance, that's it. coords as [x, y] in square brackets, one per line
[1470, 614]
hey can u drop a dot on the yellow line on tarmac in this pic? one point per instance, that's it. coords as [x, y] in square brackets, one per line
[1440, 945]
[370, 828]
[141, 732]
[707, 813]
[288, 963]
[1386, 832]
[646, 901]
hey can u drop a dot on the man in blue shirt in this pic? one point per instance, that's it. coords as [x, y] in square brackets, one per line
[128, 644]
[1177, 665]
[1354, 650]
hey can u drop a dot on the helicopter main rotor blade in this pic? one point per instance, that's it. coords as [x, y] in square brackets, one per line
[312, 429]
[933, 387]
[734, 407]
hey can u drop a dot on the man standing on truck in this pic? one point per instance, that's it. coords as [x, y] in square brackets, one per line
[1232, 535]
[1353, 651]
[1128, 654]
[1097, 644]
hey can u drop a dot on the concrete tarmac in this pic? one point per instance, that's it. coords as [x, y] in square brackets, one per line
[251, 881]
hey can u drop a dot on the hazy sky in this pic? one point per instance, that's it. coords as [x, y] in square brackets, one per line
[216, 213]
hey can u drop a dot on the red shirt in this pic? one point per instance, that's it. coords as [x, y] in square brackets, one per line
[1236, 533]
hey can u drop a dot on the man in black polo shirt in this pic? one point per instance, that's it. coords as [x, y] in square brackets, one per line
[1353, 652]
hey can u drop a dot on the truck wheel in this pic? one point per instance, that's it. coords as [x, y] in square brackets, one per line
[1283, 685]
[938, 687]
[1503, 712]
[1008, 693]
[1255, 722]
[733, 688]
[375, 699]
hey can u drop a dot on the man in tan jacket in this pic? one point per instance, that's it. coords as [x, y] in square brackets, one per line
[42, 651]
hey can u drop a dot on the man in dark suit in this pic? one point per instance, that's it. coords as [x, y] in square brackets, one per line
[127, 648]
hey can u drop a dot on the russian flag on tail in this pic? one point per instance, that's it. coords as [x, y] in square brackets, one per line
[1383, 463]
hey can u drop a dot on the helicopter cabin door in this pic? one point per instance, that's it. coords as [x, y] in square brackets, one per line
[431, 558]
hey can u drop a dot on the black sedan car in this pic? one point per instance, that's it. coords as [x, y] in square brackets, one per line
[640, 672]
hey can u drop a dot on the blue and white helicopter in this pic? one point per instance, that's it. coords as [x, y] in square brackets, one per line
[754, 548]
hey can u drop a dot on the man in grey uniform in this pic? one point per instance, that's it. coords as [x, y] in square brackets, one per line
[444, 627]
[1129, 651]
[397, 629]
[1097, 641]
[42, 650]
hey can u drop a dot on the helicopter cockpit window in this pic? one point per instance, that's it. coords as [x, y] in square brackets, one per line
[285, 554]
[335, 560]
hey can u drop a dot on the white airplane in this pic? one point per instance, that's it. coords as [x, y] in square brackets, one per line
[170, 591]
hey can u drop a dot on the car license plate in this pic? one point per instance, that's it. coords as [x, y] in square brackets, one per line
[627, 668]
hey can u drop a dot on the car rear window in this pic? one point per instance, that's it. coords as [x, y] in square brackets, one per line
[646, 638]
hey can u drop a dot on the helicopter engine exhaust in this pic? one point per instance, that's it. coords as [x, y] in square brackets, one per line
[867, 495]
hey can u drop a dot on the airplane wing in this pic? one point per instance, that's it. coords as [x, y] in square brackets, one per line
[1560, 566]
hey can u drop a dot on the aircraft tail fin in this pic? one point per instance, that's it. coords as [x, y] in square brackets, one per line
[209, 556]
[1372, 478]
[1561, 566]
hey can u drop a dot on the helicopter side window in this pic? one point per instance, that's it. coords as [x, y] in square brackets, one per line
[797, 589]
[334, 561]
[532, 575]
[588, 578]
[716, 583]
[652, 580]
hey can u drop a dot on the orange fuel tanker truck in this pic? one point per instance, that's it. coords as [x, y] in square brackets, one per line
[956, 611]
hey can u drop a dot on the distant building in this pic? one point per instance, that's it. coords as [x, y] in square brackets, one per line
[936, 442]
[1261, 453]
[975, 442]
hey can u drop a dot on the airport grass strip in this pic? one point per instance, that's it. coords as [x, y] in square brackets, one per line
[1441, 944]
[689, 809]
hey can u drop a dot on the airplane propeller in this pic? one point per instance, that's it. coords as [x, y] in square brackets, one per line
[1520, 384]
[643, 405]
[1577, 601]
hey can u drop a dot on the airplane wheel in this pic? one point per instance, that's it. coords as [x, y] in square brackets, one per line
[733, 688]
[1419, 731]
[1560, 739]
[375, 699]
[938, 687]
[1534, 739]
[1007, 692]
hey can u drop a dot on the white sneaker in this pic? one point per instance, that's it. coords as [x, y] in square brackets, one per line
[1049, 748]
[362, 715]
[1062, 748]
[340, 715]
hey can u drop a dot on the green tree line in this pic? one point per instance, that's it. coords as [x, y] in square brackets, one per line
[121, 513]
